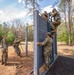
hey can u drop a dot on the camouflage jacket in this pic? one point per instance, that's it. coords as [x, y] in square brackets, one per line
[17, 42]
[47, 43]
[4, 44]
[56, 16]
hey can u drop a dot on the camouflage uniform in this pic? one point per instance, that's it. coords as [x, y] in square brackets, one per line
[4, 50]
[57, 19]
[47, 43]
[16, 46]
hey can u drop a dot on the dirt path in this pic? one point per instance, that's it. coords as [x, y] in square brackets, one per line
[65, 50]
[26, 62]
[17, 65]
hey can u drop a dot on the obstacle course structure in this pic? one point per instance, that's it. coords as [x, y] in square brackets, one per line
[26, 38]
[40, 28]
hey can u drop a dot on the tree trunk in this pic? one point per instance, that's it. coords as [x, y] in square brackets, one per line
[65, 13]
[69, 21]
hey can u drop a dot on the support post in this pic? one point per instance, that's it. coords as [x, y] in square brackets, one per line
[26, 41]
[36, 56]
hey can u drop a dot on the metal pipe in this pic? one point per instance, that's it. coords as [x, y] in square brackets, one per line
[26, 41]
[29, 25]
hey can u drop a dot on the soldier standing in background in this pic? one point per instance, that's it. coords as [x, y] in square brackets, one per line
[16, 46]
[4, 45]
[47, 43]
[56, 20]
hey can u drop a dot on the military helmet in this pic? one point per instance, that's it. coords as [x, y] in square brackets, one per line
[54, 9]
[48, 33]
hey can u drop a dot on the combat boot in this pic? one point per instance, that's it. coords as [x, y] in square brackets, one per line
[20, 56]
[2, 61]
[5, 64]
[46, 68]
[41, 70]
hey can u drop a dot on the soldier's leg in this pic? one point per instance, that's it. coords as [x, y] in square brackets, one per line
[15, 48]
[52, 26]
[47, 59]
[56, 23]
[18, 51]
[2, 59]
[44, 67]
[53, 30]
[49, 53]
[6, 55]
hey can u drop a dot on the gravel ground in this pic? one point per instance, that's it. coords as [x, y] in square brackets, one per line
[62, 66]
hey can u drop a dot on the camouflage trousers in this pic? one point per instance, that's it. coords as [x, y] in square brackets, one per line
[17, 50]
[47, 57]
[4, 56]
[55, 24]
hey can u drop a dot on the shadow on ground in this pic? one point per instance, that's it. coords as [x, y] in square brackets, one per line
[24, 64]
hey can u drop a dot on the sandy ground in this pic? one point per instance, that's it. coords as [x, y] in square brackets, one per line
[14, 61]
[65, 50]
[26, 62]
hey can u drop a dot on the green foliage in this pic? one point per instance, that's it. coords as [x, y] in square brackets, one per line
[1, 33]
[10, 37]
[12, 29]
[30, 33]
[72, 38]
[63, 37]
